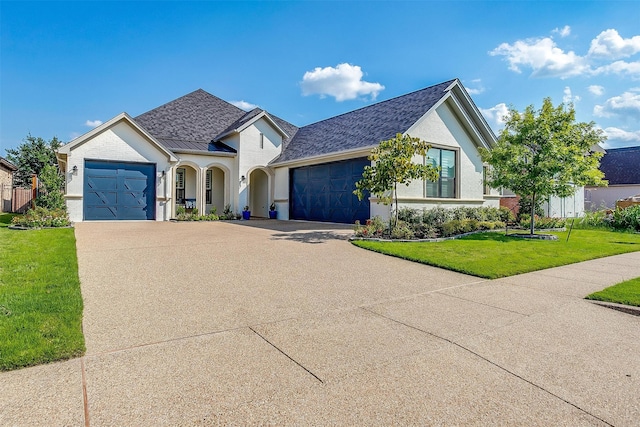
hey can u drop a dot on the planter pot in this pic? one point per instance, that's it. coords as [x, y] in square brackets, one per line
[246, 214]
[273, 214]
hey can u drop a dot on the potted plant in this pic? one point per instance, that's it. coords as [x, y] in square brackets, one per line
[246, 213]
[273, 213]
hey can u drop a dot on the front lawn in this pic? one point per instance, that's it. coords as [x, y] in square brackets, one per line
[623, 293]
[40, 301]
[493, 255]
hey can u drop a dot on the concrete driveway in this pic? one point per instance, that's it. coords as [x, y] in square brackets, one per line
[286, 323]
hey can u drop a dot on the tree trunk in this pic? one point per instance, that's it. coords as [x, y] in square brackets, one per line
[533, 211]
[395, 198]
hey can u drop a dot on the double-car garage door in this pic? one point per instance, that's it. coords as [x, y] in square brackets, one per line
[119, 191]
[324, 192]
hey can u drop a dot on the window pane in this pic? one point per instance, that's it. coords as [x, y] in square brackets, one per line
[448, 187]
[448, 163]
[432, 189]
[433, 157]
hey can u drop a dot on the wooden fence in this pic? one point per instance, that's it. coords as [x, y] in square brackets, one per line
[16, 200]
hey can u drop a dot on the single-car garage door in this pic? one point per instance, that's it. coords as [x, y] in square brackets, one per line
[119, 191]
[324, 192]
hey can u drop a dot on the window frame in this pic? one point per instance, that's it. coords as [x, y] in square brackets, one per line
[439, 182]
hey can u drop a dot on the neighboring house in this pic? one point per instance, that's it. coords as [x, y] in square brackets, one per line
[621, 167]
[199, 151]
[6, 184]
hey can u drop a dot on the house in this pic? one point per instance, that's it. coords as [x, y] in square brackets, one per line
[621, 167]
[199, 151]
[6, 184]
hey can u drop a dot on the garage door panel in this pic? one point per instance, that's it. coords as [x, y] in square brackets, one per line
[119, 191]
[325, 192]
[101, 213]
[101, 198]
[102, 182]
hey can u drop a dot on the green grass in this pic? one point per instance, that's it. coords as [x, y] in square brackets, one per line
[493, 255]
[40, 300]
[627, 293]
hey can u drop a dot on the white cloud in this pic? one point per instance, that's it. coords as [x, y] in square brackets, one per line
[563, 32]
[93, 123]
[596, 90]
[609, 44]
[618, 134]
[73, 135]
[620, 67]
[496, 115]
[244, 105]
[543, 56]
[627, 104]
[568, 97]
[477, 90]
[546, 59]
[343, 82]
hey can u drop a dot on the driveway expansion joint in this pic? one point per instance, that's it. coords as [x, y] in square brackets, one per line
[285, 354]
[478, 355]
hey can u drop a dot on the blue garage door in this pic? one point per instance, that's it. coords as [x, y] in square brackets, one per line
[325, 192]
[119, 191]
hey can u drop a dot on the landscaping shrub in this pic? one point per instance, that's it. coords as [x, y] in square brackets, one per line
[541, 223]
[437, 222]
[194, 215]
[627, 218]
[374, 227]
[598, 219]
[402, 230]
[41, 217]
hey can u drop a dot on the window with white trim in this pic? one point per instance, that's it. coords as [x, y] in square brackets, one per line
[180, 173]
[445, 185]
[208, 186]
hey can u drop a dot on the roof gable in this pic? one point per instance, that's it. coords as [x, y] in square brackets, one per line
[66, 149]
[621, 166]
[364, 127]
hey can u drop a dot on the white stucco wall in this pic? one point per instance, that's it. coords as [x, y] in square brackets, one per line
[598, 197]
[120, 142]
[252, 155]
[442, 129]
[281, 192]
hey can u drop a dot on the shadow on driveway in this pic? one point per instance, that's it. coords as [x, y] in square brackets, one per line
[301, 231]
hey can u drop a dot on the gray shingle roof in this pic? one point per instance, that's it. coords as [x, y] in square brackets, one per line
[197, 120]
[621, 165]
[364, 127]
[191, 121]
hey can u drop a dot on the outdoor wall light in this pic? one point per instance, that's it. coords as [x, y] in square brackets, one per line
[74, 170]
[242, 178]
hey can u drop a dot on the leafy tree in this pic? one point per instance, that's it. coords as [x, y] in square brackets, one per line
[393, 165]
[52, 182]
[544, 153]
[31, 157]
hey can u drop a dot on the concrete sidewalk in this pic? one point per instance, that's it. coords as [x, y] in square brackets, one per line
[270, 322]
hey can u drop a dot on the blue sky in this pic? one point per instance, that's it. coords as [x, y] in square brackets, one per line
[68, 66]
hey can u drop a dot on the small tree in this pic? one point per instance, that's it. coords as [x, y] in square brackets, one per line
[31, 157]
[544, 153]
[394, 164]
[52, 181]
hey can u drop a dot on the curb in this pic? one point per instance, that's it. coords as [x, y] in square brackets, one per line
[629, 309]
